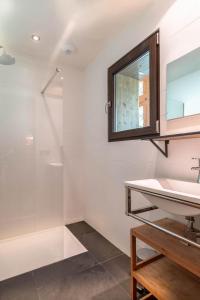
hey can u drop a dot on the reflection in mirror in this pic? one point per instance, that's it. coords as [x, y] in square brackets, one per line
[132, 95]
[183, 86]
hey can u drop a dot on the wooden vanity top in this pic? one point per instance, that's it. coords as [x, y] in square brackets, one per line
[182, 254]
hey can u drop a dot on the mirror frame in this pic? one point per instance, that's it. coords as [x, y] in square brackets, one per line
[150, 44]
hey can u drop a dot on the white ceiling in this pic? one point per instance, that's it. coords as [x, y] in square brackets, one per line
[88, 24]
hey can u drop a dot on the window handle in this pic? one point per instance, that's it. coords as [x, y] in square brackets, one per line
[107, 105]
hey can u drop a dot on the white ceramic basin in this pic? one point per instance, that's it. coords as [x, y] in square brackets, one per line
[188, 192]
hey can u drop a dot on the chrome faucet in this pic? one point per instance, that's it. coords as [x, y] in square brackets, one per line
[197, 169]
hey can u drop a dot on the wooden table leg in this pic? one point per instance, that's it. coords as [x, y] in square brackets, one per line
[133, 267]
[133, 289]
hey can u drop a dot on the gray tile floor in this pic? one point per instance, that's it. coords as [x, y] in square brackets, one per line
[102, 273]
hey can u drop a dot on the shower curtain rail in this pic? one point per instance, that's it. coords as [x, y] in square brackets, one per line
[50, 80]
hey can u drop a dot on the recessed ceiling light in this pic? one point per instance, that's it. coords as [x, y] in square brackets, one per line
[35, 37]
[61, 77]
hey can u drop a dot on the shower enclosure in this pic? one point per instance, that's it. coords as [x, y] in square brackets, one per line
[32, 232]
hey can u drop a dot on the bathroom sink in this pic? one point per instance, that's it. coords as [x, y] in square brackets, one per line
[174, 196]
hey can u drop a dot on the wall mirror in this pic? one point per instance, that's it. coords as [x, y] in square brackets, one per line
[133, 92]
[183, 86]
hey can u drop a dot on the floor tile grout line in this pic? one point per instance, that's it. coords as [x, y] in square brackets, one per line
[111, 258]
[114, 279]
[113, 275]
[99, 263]
[117, 282]
[129, 294]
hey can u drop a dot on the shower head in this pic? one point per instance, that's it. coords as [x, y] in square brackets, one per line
[6, 59]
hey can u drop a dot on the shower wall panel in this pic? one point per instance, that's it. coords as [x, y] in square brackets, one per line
[30, 155]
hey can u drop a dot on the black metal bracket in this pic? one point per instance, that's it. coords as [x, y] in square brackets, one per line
[165, 151]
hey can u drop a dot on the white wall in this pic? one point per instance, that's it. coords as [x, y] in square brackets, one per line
[108, 165]
[73, 145]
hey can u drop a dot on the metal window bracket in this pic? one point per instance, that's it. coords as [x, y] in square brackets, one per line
[165, 151]
[133, 213]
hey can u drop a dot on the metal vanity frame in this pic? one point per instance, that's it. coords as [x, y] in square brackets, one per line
[134, 213]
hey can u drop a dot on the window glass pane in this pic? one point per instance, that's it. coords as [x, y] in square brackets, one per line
[132, 95]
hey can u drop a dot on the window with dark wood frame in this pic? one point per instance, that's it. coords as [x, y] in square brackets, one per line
[149, 48]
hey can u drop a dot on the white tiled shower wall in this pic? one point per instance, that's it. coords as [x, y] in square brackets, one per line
[41, 147]
[30, 186]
